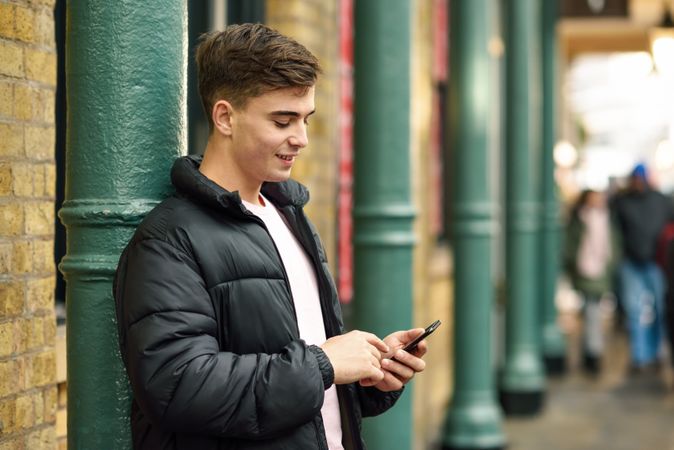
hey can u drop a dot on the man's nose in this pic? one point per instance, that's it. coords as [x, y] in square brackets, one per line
[300, 137]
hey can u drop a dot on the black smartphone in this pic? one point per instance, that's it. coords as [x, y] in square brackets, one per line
[411, 346]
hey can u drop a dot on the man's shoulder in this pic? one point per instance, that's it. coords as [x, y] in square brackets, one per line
[173, 216]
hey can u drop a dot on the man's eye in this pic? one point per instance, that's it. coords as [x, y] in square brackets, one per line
[281, 124]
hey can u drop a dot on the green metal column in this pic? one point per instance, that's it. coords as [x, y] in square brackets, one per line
[554, 348]
[522, 381]
[383, 214]
[474, 418]
[125, 71]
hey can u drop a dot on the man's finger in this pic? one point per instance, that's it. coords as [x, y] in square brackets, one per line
[401, 371]
[411, 361]
[411, 334]
[393, 381]
[421, 350]
[374, 340]
[376, 353]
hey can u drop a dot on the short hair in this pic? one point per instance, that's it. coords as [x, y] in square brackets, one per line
[247, 60]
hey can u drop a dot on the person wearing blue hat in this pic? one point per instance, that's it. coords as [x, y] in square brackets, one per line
[641, 213]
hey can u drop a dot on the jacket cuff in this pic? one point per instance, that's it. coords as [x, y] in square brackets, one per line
[324, 365]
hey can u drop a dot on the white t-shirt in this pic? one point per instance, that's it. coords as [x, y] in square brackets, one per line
[304, 288]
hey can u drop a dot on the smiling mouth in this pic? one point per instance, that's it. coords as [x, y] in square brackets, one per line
[287, 157]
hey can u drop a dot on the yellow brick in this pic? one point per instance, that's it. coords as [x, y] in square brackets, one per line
[50, 180]
[25, 24]
[25, 412]
[22, 180]
[22, 257]
[12, 60]
[6, 96]
[6, 257]
[39, 218]
[41, 439]
[11, 297]
[8, 374]
[38, 180]
[15, 443]
[40, 293]
[35, 328]
[32, 103]
[50, 404]
[11, 219]
[5, 179]
[41, 66]
[7, 415]
[11, 137]
[62, 442]
[44, 109]
[7, 338]
[44, 24]
[43, 256]
[22, 335]
[42, 369]
[40, 142]
[25, 98]
[50, 328]
[6, 20]
[38, 407]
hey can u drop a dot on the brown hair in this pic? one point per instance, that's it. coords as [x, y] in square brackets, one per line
[247, 60]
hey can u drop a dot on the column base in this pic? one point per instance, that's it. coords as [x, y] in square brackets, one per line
[523, 403]
[554, 365]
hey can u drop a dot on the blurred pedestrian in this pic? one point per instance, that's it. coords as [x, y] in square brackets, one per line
[590, 255]
[641, 213]
[665, 259]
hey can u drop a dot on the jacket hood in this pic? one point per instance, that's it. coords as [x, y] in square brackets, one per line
[188, 181]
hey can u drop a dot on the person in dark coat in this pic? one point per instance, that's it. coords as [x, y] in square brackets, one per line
[641, 212]
[229, 323]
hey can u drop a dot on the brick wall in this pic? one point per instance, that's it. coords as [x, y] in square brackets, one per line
[313, 23]
[27, 182]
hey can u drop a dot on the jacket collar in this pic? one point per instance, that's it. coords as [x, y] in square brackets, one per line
[188, 181]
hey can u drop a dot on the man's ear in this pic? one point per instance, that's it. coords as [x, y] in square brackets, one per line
[222, 117]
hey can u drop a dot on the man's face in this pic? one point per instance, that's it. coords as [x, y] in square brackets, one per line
[269, 132]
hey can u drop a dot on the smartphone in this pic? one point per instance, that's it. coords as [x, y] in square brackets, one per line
[412, 345]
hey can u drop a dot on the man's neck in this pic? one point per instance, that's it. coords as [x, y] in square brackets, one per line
[219, 168]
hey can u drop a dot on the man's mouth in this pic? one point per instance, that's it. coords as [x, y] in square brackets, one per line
[287, 157]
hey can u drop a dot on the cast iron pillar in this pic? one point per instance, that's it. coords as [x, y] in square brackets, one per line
[554, 348]
[522, 380]
[474, 418]
[125, 65]
[383, 213]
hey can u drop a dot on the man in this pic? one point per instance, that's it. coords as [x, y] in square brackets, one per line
[641, 213]
[229, 323]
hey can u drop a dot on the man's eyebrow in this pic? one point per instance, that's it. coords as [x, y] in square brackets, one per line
[289, 113]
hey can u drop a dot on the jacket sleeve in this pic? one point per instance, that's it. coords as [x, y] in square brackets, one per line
[374, 402]
[180, 378]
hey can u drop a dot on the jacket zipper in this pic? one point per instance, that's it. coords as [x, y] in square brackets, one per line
[324, 293]
[292, 305]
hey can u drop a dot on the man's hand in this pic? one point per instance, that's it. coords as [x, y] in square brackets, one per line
[400, 371]
[356, 356]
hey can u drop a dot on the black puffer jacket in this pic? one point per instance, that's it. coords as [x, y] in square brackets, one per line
[208, 332]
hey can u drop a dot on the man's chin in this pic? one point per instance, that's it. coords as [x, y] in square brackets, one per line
[278, 177]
